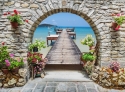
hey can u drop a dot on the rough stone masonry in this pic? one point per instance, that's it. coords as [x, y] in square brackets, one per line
[96, 13]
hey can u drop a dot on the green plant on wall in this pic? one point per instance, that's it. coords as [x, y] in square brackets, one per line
[88, 40]
[88, 57]
[14, 17]
[38, 43]
[15, 63]
[119, 18]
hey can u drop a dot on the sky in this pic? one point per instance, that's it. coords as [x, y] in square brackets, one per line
[65, 19]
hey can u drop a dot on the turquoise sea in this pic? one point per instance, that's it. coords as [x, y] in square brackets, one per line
[81, 32]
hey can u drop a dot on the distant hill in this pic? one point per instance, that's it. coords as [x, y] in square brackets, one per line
[46, 25]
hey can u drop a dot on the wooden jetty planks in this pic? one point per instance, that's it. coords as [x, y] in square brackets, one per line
[64, 51]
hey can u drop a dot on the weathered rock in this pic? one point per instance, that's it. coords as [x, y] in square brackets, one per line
[2, 35]
[23, 51]
[104, 81]
[25, 34]
[113, 7]
[18, 84]
[17, 4]
[1, 84]
[94, 76]
[25, 5]
[122, 29]
[34, 6]
[115, 11]
[5, 85]
[17, 54]
[100, 25]
[22, 72]
[30, 22]
[63, 2]
[2, 76]
[25, 30]
[114, 52]
[42, 75]
[104, 7]
[1, 72]
[21, 80]
[91, 12]
[12, 82]
[10, 3]
[121, 83]
[28, 40]
[40, 1]
[24, 54]
[108, 78]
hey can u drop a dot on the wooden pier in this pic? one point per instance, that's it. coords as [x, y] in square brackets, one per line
[72, 34]
[58, 32]
[64, 51]
[51, 37]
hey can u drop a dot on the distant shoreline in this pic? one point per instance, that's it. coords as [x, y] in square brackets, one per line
[64, 27]
[72, 27]
[51, 25]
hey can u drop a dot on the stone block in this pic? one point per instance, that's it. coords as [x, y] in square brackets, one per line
[39, 12]
[81, 88]
[50, 4]
[25, 30]
[71, 89]
[71, 84]
[50, 89]
[47, 7]
[27, 90]
[34, 6]
[91, 12]
[43, 8]
[91, 90]
[100, 25]
[52, 84]
[25, 5]
[61, 87]
[2, 35]
[122, 29]
[104, 7]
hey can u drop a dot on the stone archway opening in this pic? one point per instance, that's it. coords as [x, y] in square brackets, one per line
[65, 20]
[88, 19]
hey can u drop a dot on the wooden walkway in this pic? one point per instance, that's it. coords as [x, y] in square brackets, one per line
[64, 51]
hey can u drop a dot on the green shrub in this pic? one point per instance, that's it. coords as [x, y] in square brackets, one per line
[88, 57]
[38, 43]
[88, 40]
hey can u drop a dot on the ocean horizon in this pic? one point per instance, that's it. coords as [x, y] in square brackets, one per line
[81, 32]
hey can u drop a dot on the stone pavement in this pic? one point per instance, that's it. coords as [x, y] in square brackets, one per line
[39, 86]
[61, 81]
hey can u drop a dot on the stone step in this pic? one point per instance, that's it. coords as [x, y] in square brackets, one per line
[63, 67]
[65, 76]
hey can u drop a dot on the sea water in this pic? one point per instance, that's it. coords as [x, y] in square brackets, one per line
[81, 32]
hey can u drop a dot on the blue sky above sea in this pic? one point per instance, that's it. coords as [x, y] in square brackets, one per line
[65, 19]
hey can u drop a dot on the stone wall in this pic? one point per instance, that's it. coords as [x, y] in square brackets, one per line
[96, 13]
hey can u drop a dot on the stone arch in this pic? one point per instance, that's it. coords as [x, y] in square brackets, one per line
[94, 26]
[97, 14]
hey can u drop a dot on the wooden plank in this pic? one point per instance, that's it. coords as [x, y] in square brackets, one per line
[64, 51]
